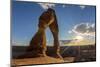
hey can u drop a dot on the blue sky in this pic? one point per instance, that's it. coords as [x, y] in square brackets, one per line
[25, 20]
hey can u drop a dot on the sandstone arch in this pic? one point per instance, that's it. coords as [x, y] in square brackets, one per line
[37, 44]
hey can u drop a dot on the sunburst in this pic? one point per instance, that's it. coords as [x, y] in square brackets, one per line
[79, 38]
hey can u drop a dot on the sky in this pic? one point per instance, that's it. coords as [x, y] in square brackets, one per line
[74, 21]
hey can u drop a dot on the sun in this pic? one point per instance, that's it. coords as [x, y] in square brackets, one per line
[79, 37]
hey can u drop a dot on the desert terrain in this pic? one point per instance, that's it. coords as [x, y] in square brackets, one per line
[69, 53]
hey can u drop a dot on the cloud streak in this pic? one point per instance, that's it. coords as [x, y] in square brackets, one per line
[46, 5]
[82, 6]
[84, 29]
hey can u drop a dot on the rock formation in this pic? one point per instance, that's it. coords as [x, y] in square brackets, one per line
[37, 46]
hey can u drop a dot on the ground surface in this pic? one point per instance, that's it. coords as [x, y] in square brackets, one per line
[40, 60]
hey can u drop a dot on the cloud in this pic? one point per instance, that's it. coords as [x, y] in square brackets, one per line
[46, 5]
[84, 29]
[70, 31]
[43, 5]
[63, 6]
[82, 6]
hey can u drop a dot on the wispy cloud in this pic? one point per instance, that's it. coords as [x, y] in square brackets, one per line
[82, 6]
[46, 5]
[84, 29]
[70, 31]
[63, 6]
